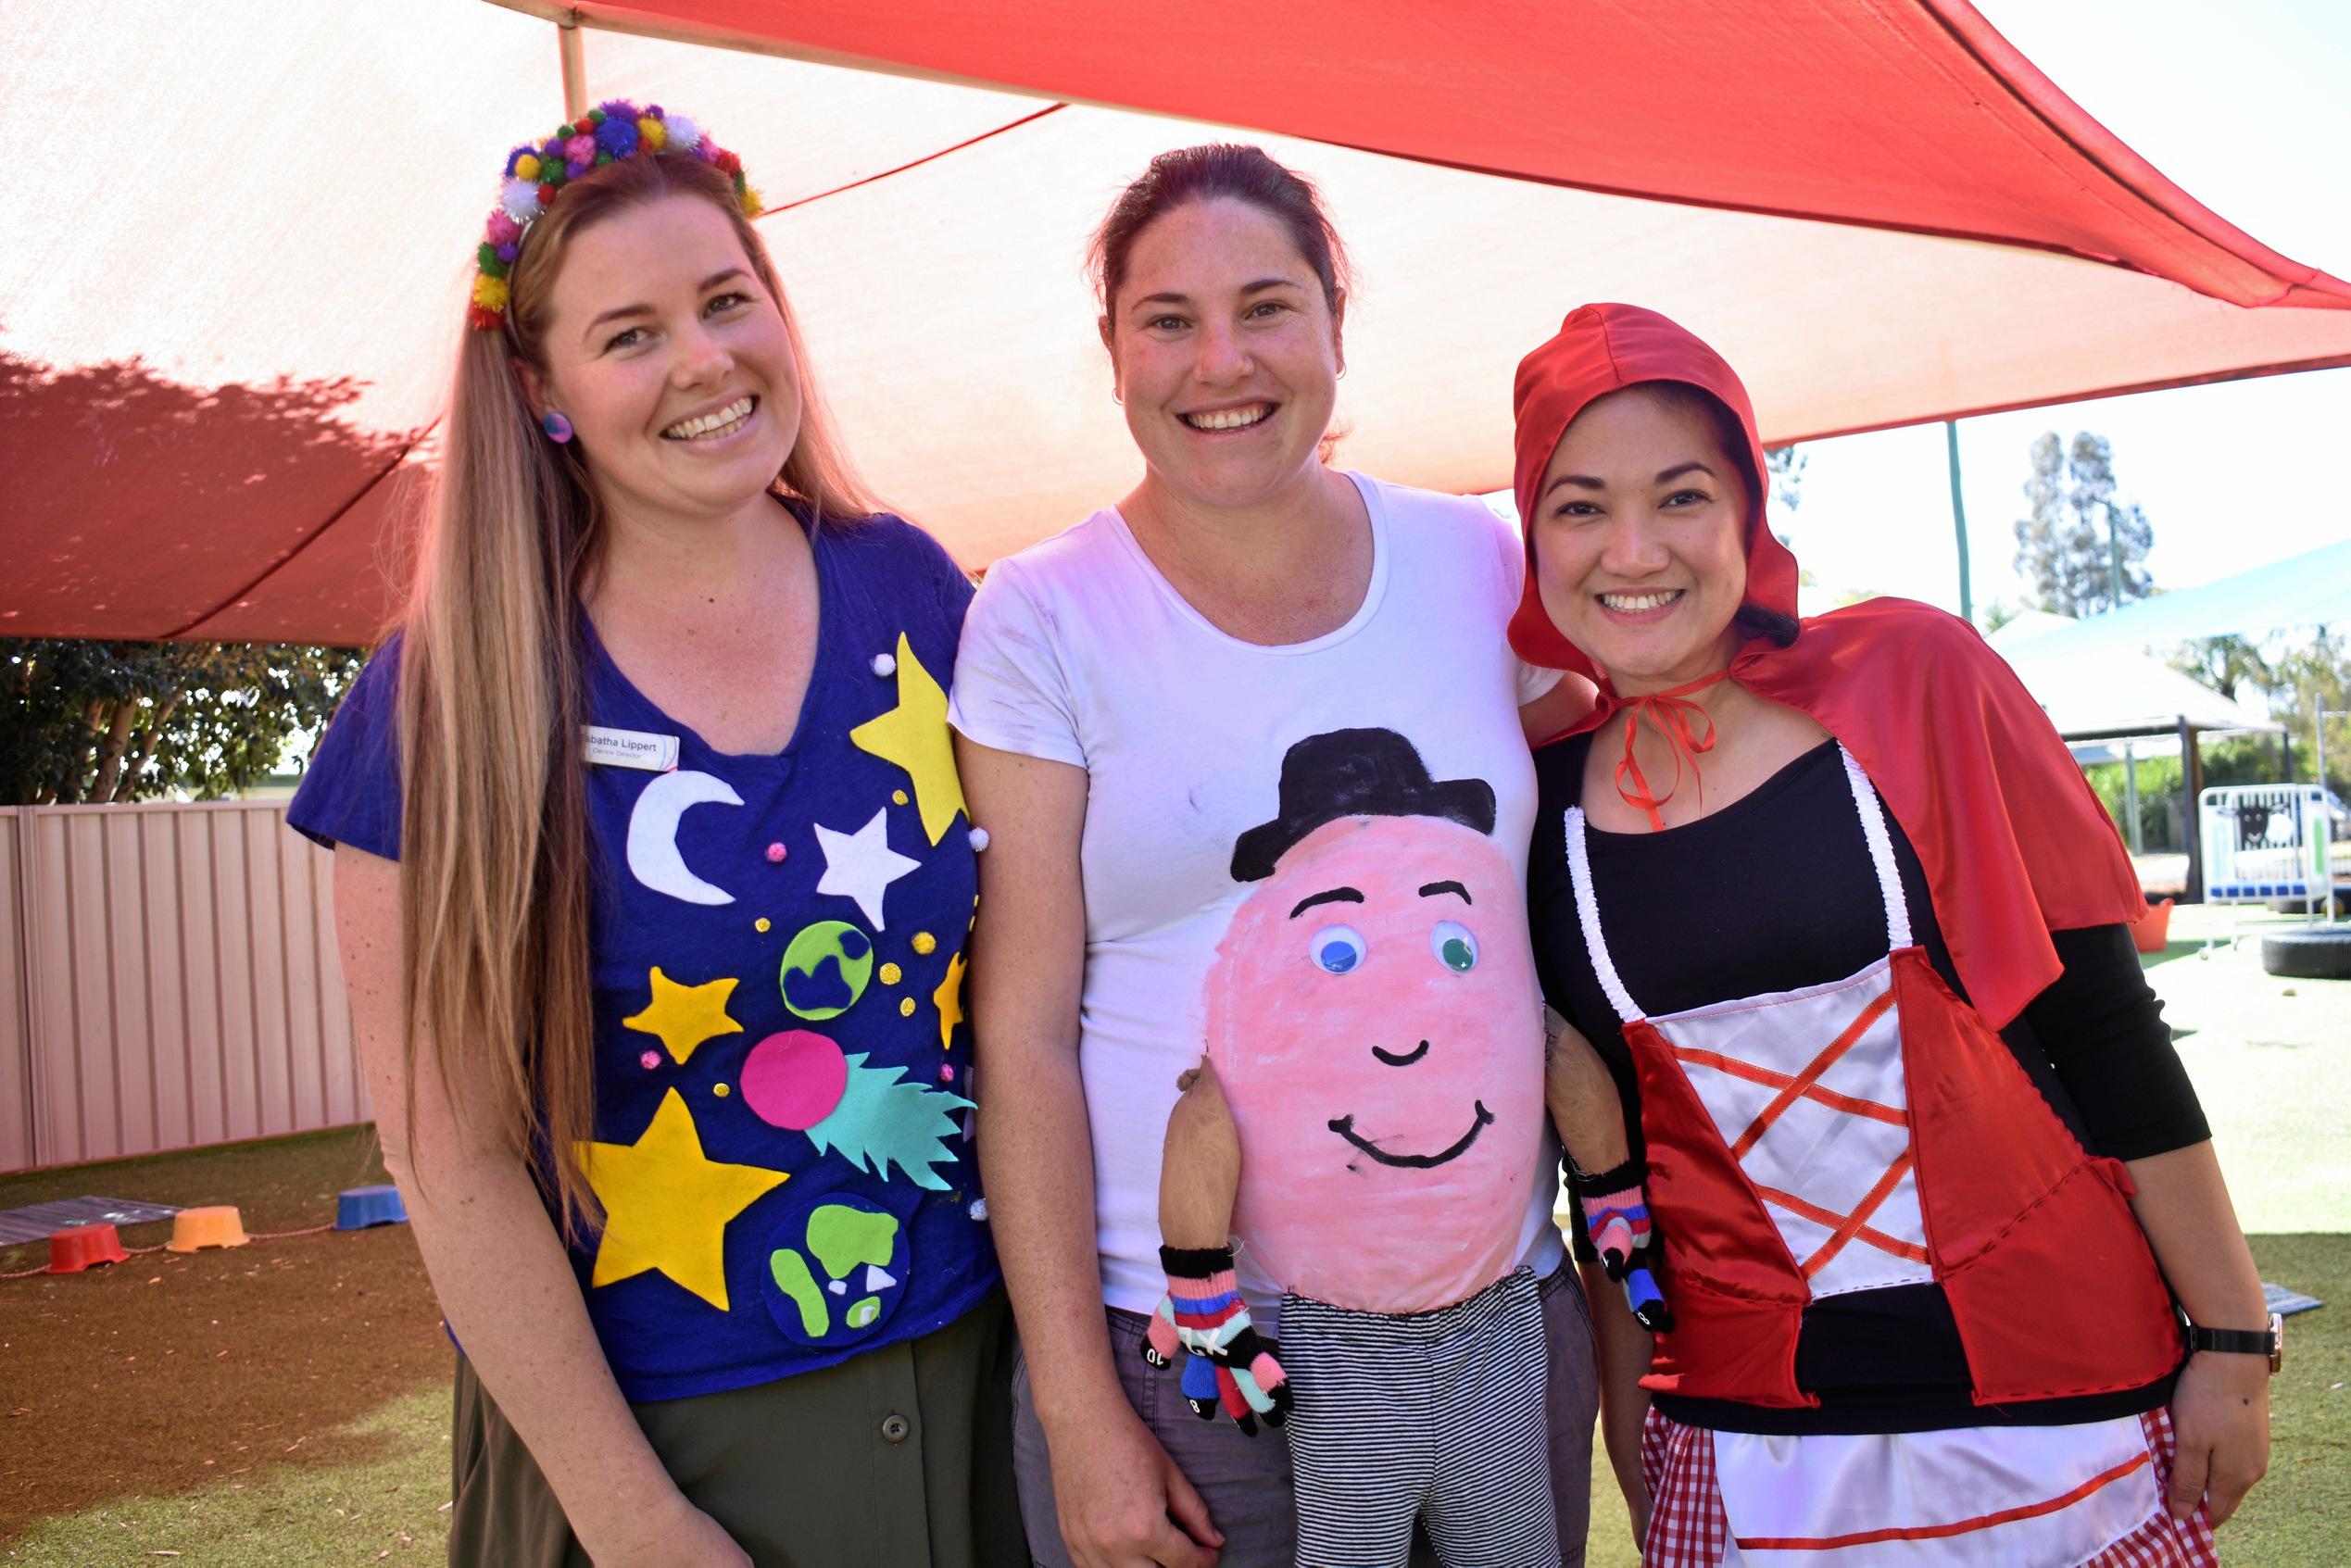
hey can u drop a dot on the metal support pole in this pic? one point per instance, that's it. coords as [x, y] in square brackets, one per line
[2114, 554]
[1959, 521]
[2131, 798]
[2326, 810]
[2192, 778]
[575, 58]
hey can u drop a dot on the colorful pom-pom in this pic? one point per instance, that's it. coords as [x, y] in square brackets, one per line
[617, 137]
[535, 175]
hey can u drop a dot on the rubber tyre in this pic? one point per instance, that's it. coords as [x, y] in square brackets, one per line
[2323, 954]
[2302, 906]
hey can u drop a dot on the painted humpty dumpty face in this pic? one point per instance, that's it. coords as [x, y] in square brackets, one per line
[1372, 1012]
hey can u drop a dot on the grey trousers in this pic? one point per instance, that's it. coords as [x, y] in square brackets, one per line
[1246, 1481]
[1431, 1419]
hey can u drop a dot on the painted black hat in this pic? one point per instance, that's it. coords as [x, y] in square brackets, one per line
[1356, 773]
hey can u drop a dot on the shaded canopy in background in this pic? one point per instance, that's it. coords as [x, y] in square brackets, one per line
[226, 317]
[2110, 691]
[2297, 594]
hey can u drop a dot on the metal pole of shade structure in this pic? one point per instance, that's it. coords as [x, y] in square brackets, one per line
[2131, 797]
[2325, 833]
[2114, 554]
[2192, 780]
[1960, 522]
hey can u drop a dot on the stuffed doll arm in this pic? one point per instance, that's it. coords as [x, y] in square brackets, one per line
[1590, 1115]
[1226, 1366]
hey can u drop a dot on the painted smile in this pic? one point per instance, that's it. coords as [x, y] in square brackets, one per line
[1404, 1059]
[1345, 1127]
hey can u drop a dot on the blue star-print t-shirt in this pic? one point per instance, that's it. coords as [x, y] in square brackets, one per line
[783, 1123]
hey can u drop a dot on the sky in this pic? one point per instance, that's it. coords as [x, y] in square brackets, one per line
[2246, 107]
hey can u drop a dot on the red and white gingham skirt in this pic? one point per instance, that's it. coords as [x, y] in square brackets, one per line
[1688, 1529]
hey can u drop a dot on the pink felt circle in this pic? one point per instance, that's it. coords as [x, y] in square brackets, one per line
[793, 1080]
[775, 854]
[649, 1060]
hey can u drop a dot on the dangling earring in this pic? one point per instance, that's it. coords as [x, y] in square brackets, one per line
[558, 428]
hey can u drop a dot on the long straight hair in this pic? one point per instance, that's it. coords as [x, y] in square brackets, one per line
[495, 873]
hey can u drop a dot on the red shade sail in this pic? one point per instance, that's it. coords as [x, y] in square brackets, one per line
[217, 378]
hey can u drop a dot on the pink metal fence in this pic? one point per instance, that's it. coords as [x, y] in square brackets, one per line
[166, 979]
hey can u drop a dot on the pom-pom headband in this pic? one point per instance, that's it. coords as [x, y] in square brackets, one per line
[536, 175]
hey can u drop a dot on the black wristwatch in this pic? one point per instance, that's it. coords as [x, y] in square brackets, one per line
[2268, 1342]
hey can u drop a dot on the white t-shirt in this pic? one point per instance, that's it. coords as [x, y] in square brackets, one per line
[1078, 650]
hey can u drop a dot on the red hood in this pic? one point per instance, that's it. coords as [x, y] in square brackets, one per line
[1601, 349]
[2013, 842]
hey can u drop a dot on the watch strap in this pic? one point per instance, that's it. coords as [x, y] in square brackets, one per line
[2267, 1343]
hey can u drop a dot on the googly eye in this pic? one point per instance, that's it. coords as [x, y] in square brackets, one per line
[1337, 949]
[1455, 945]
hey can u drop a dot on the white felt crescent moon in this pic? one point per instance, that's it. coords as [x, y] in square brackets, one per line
[653, 856]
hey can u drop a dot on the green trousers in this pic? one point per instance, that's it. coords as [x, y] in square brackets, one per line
[898, 1457]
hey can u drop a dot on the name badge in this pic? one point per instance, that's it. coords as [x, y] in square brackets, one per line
[630, 749]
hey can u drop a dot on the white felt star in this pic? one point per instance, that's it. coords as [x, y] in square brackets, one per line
[860, 865]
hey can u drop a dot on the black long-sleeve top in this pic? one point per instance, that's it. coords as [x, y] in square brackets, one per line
[1774, 892]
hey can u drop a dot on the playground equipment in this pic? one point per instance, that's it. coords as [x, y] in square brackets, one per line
[2275, 842]
[194, 1229]
[357, 1207]
[2263, 842]
[84, 1246]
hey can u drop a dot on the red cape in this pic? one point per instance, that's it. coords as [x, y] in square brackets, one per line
[2013, 843]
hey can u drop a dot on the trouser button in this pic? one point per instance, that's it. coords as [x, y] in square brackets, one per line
[894, 1427]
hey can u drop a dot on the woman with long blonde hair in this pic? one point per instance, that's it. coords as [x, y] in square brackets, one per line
[652, 887]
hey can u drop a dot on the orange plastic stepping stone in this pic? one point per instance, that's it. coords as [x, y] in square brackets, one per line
[84, 1246]
[194, 1229]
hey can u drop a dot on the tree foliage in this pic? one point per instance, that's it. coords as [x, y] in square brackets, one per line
[2225, 664]
[2308, 677]
[2080, 535]
[100, 723]
[1787, 475]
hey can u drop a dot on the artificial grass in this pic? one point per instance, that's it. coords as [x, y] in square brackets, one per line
[390, 1508]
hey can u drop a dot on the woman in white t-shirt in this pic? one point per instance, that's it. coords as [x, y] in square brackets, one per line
[1127, 694]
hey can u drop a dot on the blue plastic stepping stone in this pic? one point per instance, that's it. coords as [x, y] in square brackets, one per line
[360, 1207]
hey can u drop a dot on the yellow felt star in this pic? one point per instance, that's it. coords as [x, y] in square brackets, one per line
[949, 998]
[684, 1016]
[666, 1207]
[913, 735]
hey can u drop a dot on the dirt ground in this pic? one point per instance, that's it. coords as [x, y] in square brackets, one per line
[166, 1373]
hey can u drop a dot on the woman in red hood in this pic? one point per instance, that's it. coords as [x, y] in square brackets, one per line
[1849, 929]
